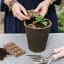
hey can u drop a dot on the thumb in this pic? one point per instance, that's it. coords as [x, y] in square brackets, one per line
[43, 13]
[38, 8]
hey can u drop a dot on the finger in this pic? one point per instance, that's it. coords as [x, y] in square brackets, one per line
[43, 12]
[20, 16]
[38, 8]
[59, 55]
[21, 19]
[58, 50]
[24, 10]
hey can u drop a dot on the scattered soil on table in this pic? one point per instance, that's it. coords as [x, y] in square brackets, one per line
[3, 53]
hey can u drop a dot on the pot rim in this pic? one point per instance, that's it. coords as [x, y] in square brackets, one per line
[40, 28]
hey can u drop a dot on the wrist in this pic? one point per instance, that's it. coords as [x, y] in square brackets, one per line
[50, 2]
[10, 3]
[6, 2]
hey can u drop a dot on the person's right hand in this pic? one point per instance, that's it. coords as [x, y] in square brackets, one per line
[16, 9]
[59, 52]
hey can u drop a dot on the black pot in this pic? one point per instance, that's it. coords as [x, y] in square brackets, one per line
[37, 38]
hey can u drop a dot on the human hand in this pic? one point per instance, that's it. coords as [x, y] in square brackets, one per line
[19, 11]
[59, 52]
[42, 8]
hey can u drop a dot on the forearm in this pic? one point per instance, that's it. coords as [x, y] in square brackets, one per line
[6, 2]
[58, 2]
[54, 2]
[50, 2]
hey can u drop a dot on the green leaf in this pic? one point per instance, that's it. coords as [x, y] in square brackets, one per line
[45, 23]
[40, 19]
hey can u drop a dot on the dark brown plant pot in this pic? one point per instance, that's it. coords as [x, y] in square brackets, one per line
[37, 38]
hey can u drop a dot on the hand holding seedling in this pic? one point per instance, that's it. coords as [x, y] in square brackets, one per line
[19, 11]
[42, 8]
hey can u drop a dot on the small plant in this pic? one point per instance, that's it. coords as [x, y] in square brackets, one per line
[37, 21]
[40, 19]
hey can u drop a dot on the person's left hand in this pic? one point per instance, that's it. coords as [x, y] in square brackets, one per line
[42, 8]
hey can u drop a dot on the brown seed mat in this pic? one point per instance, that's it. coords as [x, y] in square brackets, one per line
[13, 49]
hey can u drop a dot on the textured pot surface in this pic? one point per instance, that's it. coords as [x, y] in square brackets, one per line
[37, 38]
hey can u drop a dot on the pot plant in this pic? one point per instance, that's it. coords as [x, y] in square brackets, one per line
[37, 31]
